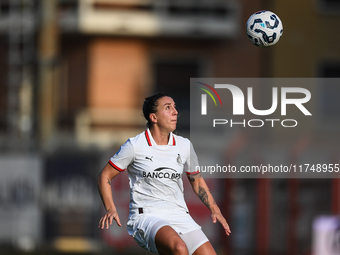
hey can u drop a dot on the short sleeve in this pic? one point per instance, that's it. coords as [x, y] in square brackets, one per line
[123, 157]
[191, 166]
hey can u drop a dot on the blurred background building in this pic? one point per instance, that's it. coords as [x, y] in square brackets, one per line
[74, 75]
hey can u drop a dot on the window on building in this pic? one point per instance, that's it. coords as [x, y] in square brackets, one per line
[172, 77]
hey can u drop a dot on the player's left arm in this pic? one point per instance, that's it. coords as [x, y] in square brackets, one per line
[202, 191]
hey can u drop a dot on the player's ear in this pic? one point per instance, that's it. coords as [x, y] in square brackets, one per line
[153, 117]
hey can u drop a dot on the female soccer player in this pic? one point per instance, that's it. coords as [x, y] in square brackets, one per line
[159, 220]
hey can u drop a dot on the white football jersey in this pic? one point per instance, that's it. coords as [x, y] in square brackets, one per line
[155, 171]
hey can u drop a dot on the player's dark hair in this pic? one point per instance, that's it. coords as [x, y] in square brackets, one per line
[150, 106]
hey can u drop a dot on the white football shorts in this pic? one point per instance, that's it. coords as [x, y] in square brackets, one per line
[143, 228]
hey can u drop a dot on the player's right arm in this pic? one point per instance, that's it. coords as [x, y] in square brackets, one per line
[105, 191]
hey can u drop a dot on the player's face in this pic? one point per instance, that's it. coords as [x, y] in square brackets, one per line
[166, 115]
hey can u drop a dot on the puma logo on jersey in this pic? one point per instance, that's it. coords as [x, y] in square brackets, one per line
[149, 158]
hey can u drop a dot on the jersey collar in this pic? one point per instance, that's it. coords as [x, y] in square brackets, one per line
[151, 141]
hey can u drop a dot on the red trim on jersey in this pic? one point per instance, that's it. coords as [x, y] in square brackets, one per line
[147, 138]
[189, 173]
[116, 167]
[149, 141]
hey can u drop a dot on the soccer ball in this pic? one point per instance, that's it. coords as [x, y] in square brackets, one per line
[264, 28]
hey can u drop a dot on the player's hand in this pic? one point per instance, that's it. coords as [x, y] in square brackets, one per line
[217, 216]
[108, 218]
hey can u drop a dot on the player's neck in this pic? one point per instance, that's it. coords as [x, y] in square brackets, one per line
[159, 136]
